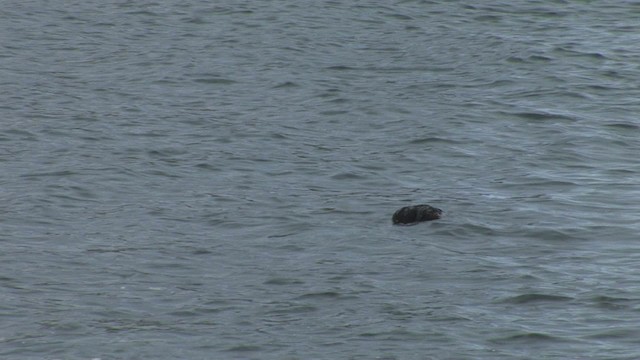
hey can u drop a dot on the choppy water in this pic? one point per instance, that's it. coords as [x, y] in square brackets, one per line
[215, 180]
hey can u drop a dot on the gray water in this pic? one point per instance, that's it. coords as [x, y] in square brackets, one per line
[215, 180]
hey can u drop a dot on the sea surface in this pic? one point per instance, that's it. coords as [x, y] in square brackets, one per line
[216, 179]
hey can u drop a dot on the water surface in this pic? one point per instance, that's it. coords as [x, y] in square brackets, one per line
[197, 180]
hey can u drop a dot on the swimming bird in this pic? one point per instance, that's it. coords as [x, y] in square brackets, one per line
[415, 214]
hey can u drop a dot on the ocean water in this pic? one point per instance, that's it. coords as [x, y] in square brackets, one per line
[215, 180]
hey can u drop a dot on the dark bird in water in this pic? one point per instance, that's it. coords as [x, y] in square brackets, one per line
[415, 214]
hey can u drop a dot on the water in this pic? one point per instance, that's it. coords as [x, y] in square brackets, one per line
[204, 180]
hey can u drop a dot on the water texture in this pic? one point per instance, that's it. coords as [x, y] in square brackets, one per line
[215, 180]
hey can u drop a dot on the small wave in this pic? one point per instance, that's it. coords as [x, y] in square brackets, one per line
[244, 348]
[283, 281]
[623, 126]
[529, 337]
[615, 333]
[393, 69]
[432, 139]
[464, 230]
[334, 112]
[539, 115]
[292, 308]
[530, 58]
[612, 303]
[321, 295]
[531, 298]
[347, 176]
[553, 234]
[396, 334]
[214, 80]
[287, 84]
[564, 50]
[340, 67]
[62, 173]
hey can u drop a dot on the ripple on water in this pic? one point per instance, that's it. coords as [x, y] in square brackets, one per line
[283, 281]
[536, 298]
[613, 303]
[222, 177]
[528, 338]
